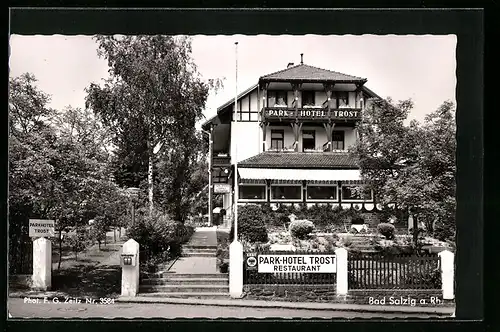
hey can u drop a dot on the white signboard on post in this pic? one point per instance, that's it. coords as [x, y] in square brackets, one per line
[221, 188]
[41, 228]
[320, 263]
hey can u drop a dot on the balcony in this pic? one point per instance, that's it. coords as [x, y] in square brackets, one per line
[221, 159]
[312, 113]
[318, 149]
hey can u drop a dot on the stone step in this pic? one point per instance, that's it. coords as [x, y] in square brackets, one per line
[199, 246]
[185, 281]
[187, 295]
[207, 249]
[198, 254]
[173, 275]
[184, 288]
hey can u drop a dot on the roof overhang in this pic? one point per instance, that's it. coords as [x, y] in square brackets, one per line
[303, 80]
[370, 93]
[299, 174]
[241, 95]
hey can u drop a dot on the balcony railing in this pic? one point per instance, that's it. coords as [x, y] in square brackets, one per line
[318, 149]
[311, 113]
[221, 159]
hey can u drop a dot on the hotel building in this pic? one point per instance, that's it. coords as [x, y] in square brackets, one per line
[293, 131]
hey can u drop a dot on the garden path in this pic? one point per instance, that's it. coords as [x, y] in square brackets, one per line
[203, 239]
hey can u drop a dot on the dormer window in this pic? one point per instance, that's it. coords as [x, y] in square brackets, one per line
[308, 98]
[277, 98]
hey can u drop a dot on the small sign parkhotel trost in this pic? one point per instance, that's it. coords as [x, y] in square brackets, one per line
[41, 228]
[297, 263]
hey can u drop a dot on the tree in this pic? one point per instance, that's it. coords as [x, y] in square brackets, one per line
[438, 154]
[78, 241]
[154, 95]
[183, 173]
[30, 149]
[98, 231]
[412, 166]
[27, 105]
[58, 165]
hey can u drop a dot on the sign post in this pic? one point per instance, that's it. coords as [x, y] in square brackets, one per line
[41, 228]
[42, 252]
[323, 263]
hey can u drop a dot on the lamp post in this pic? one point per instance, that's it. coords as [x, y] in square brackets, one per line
[133, 193]
[210, 190]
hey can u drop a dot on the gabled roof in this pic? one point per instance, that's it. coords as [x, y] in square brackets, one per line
[302, 72]
[370, 93]
[241, 95]
[330, 160]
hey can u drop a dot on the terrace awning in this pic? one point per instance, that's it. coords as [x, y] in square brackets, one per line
[287, 174]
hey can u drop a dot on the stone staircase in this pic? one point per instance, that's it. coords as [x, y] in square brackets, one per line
[201, 286]
[194, 275]
[199, 251]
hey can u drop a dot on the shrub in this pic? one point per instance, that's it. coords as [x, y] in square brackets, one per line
[301, 228]
[159, 236]
[347, 242]
[357, 220]
[386, 230]
[251, 224]
[444, 231]
[222, 255]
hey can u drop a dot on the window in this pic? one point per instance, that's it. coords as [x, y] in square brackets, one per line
[356, 193]
[252, 192]
[277, 139]
[245, 112]
[321, 192]
[280, 192]
[308, 140]
[343, 98]
[276, 98]
[308, 98]
[219, 176]
[338, 140]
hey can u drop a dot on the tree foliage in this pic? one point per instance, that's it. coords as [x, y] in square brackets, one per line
[151, 102]
[411, 165]
[58, 164]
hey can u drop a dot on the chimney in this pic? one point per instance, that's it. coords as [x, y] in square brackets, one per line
[301, 58]
[289, 64]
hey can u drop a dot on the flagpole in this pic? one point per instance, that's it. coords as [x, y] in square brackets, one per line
[236, 187]
[235, 248]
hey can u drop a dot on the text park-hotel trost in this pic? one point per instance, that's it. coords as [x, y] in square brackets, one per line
[293, 130]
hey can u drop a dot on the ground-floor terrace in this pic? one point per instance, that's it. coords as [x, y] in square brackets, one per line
[329, 180]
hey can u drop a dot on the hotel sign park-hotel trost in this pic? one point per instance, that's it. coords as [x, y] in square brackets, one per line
[310, 114]
[293, 263]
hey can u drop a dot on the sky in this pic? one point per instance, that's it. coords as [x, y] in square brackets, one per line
[418, 67]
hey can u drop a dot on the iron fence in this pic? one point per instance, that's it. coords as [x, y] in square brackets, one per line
[401, 271]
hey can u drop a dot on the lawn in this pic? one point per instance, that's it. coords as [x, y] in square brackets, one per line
[96, 273]
[90, 255]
